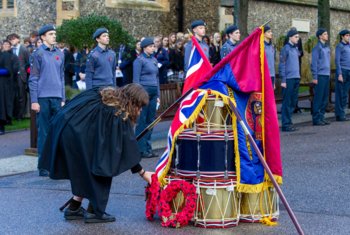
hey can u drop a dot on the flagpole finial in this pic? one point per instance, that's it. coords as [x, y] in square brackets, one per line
[266, 23]
[190, 33]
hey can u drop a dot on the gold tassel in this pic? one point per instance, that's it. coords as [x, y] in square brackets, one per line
[268, 221]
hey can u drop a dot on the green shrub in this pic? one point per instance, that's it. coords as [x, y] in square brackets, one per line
[78, 32]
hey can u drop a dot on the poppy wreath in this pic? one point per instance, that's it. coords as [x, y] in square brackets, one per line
[180, 219]
[152, 195]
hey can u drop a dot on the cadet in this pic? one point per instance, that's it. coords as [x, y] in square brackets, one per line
[146, 73]
[198, 28]
[234, 36]
[290, 75]
[321, 70]
[270, 53]
[342, 64]
[46, 85]
[101, 63]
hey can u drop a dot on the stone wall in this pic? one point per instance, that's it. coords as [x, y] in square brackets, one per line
[137, 22]
[31, 15]
[282, 15]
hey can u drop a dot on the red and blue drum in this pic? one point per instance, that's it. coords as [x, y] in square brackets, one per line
[203, 155]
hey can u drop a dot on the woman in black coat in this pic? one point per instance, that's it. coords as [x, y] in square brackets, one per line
[91, 140]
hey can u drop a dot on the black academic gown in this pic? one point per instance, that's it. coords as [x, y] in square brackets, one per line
[9, 62]
[88, 145]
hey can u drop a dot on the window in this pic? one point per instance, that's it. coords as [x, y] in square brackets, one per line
[151, 5]
[66, 9]
[8, 8]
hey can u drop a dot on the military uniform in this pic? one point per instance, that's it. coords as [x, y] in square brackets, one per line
[342, 63]
[321, 70]
[227, 48]
[100, 68]
[289, 72]
[46, 85]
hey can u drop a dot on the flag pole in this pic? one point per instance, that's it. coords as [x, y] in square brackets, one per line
[160, 117]
[268, 170]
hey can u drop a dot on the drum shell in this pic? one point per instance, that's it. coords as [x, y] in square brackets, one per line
[211, 155]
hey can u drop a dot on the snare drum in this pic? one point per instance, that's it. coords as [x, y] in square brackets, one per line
[217, 204]
[254, 206]
[204, 155]
[215, 115]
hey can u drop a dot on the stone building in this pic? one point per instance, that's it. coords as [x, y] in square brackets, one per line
[152, 17]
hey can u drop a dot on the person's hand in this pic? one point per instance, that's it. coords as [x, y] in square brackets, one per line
[314, 81]
[36, 107]
[340, 78]
[284, 84]
[63, 103]
[148, 176]
[158, 100]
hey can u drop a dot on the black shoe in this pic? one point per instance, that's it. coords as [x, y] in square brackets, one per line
[289, 129]
[43, 172]
[74, 215]
[320, 123]
[149, 155]
[92, 218]
[342, 119]
[2, 130]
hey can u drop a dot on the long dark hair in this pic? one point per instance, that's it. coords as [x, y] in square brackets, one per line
[128, 99]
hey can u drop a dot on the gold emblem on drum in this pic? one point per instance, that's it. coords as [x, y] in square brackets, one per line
[253, 114]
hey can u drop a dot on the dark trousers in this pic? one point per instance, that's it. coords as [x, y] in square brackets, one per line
[320, 101]
[20, 99]
[147, 116]
[290, 98]
[341, 93]
[48, 108]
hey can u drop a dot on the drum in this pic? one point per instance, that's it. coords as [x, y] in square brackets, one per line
[202, 155]
[214, 116]
[217, 204]
[256, 205]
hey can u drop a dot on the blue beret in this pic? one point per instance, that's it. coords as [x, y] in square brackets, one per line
[146, 42]
[266, 28]
[343, 32]
[46, 28]
[292, 32]
[98, 32]
[320, 31]
[197, 23]
[231, 29]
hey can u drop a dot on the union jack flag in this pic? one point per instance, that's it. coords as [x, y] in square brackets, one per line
[189, 107]
[198, 66]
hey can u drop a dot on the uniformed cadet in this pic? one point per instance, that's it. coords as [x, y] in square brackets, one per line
[101, 63]
[234, 36]
[146, 73]
[290, 74]
[321, 70]
[46, 85]
[198, 28]
[342, 64]
[270, 53]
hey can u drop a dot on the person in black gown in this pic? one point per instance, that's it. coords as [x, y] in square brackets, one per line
[91, 140]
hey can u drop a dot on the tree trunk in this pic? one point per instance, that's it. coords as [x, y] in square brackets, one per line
[241, 16]
[324, 15]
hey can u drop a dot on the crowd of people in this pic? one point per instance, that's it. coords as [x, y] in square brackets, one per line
[127, 80]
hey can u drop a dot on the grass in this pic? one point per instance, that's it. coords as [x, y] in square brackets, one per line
[18, 125]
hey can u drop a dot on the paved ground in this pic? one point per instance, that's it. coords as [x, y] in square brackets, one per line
[316, 184]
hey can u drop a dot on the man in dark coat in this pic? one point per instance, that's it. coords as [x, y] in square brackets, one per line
[8, 74]
[21, 80]
[101, 124]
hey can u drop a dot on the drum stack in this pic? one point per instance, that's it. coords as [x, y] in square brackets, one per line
[204, 156]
